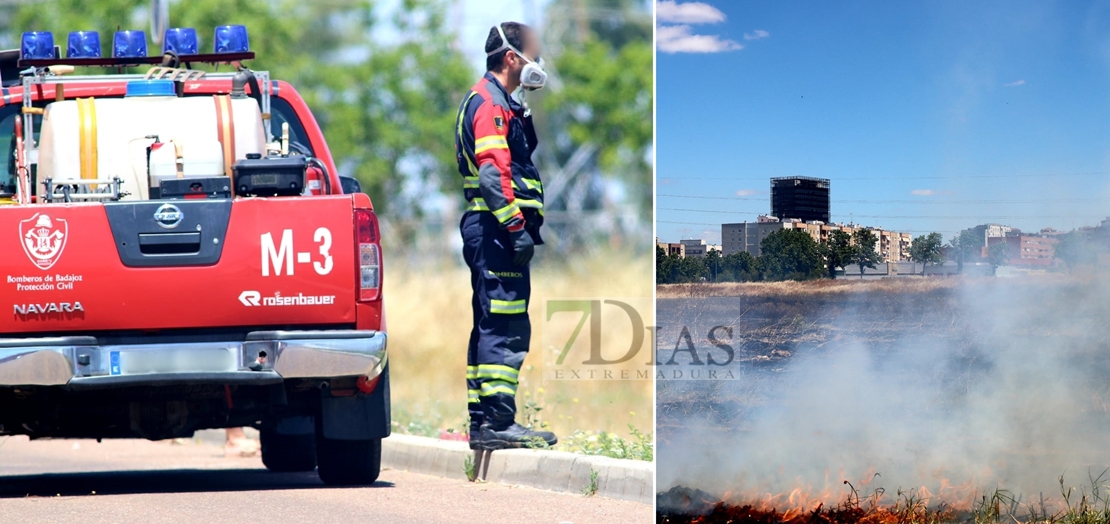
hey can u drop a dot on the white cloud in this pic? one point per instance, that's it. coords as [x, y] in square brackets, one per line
[1014, 84]
[758, 34]
[679, 39]
[688, 13]
[928, 192]
[746, 192]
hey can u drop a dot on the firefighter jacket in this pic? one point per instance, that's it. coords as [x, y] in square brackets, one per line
[494, 141]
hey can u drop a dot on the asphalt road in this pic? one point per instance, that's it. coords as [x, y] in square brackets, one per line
[152, 482]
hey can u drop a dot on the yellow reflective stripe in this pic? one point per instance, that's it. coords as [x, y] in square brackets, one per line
[507, 307]
[472, 395]
[506, 212]
[470, 182]
[494, 387]
[523, 202]
[459, 130]
[86, 116]
[483, 149]
[498, 371]
[478, 204]
[491, 139]
[530, 184]
[490, 142]
[533, 184]
[472, 372]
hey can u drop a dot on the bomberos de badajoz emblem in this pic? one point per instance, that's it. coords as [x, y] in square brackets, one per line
[43, 239]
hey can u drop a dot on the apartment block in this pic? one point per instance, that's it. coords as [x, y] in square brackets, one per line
[746, 236]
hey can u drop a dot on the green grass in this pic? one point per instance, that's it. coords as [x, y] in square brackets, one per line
[1082, 505]
[420, 423]
[469, 469]
[590, 489]
[606, 444]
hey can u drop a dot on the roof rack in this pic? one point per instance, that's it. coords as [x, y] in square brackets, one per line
[83, 189]
[42, 75]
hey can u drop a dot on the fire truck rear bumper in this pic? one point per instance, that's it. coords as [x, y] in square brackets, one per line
[265, 357]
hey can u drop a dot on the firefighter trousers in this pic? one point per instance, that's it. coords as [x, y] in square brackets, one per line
[501, 333]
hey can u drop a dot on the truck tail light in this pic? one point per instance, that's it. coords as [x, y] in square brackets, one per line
[367, 385]
[369, 253]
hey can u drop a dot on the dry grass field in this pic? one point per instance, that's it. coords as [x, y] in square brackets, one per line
[429, 321]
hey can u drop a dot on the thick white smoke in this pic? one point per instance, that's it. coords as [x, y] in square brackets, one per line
[962, 389]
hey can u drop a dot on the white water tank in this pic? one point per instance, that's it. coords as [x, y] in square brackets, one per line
[119, 129]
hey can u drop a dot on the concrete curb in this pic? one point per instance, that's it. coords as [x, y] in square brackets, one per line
[543, 469]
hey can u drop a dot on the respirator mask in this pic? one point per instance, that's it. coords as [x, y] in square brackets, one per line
[532, 77]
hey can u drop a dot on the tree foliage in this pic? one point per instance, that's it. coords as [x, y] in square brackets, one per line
[603, 66]
[837, 250]
[926, 249]
[790, 254]
[739, 267]
[674, 269]
[864, 253]
[964, 247]
[998, 254]
[1075, 248]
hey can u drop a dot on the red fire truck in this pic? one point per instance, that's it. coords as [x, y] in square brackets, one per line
[178, 252]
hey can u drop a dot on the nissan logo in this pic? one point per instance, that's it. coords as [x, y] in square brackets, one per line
[168, 216]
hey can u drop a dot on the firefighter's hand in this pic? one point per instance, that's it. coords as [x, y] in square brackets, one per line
[523, 247]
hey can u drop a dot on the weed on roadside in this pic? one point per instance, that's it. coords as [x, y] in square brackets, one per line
[590, 489]
[603, 443]
[468, 468]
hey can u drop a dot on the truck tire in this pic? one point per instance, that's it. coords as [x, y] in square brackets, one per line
[348, 462]
[287, 453]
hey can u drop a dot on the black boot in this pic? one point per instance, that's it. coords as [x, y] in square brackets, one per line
[515, 436]
[475, 436]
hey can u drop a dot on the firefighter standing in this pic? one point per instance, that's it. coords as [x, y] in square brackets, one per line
[494, 141]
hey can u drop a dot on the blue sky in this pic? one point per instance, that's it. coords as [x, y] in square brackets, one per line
[926, 116]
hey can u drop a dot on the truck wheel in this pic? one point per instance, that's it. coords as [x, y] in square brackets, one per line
[287, 453]
[348, 462]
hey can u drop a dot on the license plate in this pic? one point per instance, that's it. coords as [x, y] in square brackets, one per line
[172, 361]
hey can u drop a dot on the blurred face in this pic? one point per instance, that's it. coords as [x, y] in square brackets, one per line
[531, 50]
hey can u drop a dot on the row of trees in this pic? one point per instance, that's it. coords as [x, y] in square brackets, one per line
[791, 254]
[787, 254]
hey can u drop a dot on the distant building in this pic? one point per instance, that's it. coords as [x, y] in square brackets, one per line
[746, 236]
[671, 249]
[799, 197]
[894, 246]
[1028, 250]
[694, 247]
[985, 232]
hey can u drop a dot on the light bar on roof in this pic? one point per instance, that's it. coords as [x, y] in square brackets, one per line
[83, 44]
[180, 40]
[129, 44]
[37, 45]
[231, 39]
